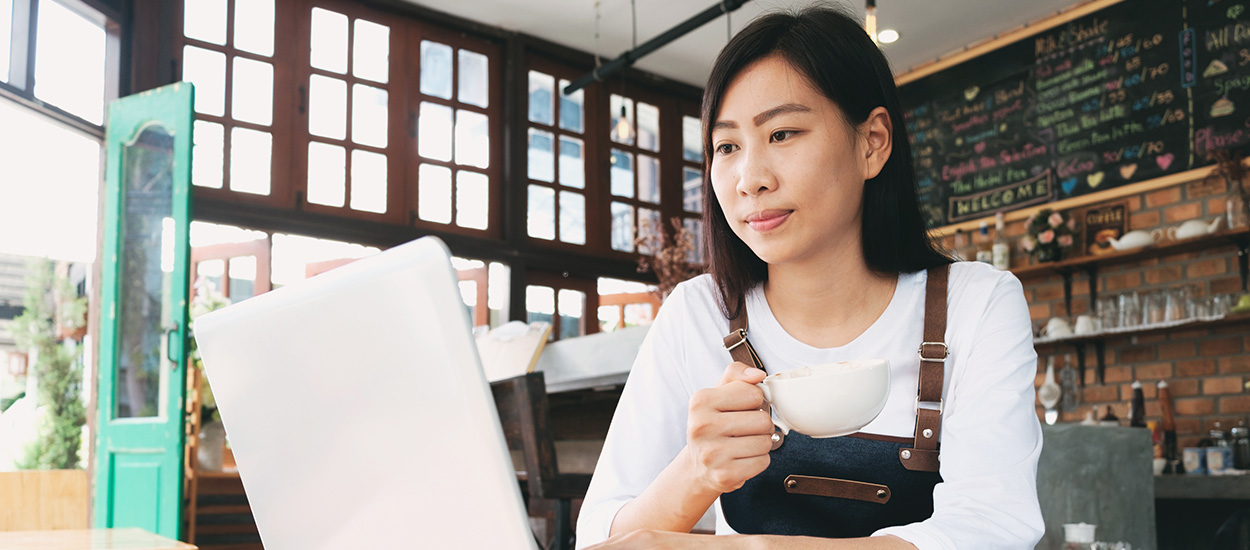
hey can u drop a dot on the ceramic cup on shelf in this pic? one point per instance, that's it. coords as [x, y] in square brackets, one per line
[828, 400]
[1056, 327]
[1085, 324]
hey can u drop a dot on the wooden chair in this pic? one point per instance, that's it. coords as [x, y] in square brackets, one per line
[522, 406]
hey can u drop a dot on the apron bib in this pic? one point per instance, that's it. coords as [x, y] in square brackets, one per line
[850, 486]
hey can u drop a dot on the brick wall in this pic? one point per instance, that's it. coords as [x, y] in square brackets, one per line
[1207, 369]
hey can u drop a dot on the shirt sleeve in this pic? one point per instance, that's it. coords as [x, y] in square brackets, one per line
[991, 438]
[648, 428]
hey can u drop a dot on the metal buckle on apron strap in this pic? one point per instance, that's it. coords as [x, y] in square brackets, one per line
[939, 403]
[946, 352]
[742, 338]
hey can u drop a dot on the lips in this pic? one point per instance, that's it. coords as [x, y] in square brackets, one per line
[768, 219]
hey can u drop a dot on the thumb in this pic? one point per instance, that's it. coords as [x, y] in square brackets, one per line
[743, 372]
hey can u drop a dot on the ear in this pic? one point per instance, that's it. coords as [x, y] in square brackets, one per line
[877, 132]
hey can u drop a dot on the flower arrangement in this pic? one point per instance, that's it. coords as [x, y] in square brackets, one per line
[1048, 235]
[670, 255]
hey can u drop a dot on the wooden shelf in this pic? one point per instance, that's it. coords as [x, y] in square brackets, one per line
[1237, 237]
[1087, 338]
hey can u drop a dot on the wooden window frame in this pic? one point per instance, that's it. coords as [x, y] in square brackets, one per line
[563, 281]
[668, 155]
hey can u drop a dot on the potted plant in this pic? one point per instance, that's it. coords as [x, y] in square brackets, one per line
[1048, 235]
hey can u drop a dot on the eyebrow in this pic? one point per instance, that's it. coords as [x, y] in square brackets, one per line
[765, 116]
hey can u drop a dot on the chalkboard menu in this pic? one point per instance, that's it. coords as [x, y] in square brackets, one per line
[1129, 93]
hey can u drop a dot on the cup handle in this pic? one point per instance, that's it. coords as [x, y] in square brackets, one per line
[768, 400]
[1156, 235]
[1172, 233]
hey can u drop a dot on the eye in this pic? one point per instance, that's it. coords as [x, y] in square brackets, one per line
[781, 135]
[725, 148]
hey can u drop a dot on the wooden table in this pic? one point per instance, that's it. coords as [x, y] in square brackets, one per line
[89, 539]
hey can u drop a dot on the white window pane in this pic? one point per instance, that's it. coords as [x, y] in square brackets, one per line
[622, 173]
[434, 193]
[371, 55]
[369, 106]
[691, 139]
[205, 20]
[692, 190]
[648, 127]
[472, 200]
[436, 69]
[474, 79]
[207, 70]
[250, 156]
[54, 214]
[541, 219]
[69, 62]
[541, 157]
[570, 303]
[649, 179]
[327, 107]
[648, 230]
[253, 26]
[572, 217]
[253, 91]
[572, 162]
[472, 139]
[622, 109]
[695, 229]
[540, 303]
[242, 277]
[208, 154]
[571, 106]
[434, 131]
[327, 170]
[622, 227]
[6, 36]
[368, 181]
[329, 40]
[542, 91]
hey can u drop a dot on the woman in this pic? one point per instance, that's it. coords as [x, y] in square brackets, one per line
[816, 238]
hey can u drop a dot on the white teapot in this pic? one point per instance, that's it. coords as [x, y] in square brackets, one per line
[1193, 228]
[1136, 239]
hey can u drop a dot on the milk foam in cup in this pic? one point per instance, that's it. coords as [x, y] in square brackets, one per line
[828, 400]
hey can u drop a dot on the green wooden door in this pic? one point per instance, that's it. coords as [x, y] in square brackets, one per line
[144, 287]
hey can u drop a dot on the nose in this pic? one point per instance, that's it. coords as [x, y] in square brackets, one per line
[755, 175]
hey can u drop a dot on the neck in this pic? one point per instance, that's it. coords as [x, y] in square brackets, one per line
[829, 300]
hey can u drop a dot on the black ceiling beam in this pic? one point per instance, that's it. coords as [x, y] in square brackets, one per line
[629, 57]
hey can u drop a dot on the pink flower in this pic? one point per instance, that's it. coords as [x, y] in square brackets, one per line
[1027, 244]
[1065, 240]
[1047, 236]
[1072, 224]
[1055, 219]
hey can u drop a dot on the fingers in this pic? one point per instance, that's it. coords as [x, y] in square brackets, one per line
[735, 396]
[743, 372]
[733, 424]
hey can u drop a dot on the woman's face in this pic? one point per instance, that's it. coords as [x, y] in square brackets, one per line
[787, 169]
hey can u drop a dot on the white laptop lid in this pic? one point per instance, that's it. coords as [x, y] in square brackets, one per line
[358, 413]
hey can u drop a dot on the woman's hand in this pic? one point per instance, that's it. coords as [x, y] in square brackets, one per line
[646, 539]
[728, 433]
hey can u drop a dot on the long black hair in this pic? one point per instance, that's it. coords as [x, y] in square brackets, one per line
[832, 50]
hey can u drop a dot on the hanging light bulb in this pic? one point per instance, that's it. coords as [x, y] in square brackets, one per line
[623, 132]
[870, 20]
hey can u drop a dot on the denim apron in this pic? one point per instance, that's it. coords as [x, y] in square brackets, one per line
[850, 486]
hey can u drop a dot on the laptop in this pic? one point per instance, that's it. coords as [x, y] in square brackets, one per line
[358, 413]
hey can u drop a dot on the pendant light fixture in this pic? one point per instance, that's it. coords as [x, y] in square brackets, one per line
[870, 20]
[624, 133]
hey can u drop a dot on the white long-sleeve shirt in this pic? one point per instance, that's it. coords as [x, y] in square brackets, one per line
[990, 435]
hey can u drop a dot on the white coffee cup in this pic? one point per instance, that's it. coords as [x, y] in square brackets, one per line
[1085, 324]
[828, 400]
[1057, 327]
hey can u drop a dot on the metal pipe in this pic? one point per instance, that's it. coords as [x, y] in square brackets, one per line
[629, 57]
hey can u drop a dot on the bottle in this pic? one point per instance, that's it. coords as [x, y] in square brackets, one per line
[1241, 446]
[1001, 250]
[984, 252]
[1137, 416]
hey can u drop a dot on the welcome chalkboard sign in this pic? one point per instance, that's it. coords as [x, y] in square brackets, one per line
[1129, 93]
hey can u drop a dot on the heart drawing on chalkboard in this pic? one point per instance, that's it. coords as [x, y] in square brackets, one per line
[1095, 179]
[1164, 161]
[971, 93]
[1128, 170]
[1068, 185]
[979, 147]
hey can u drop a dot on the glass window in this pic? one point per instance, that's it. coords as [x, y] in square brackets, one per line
[6, 37]
[695, 229]
[622, 227]
[541, 220]
[541, 93]
[572, 162]
[253, 91]
[205, 20]
[434, 131]
[368, 181]
[434, 193]
[472, 139]
[250, 154]
[541, 157]
[572, 217]
[571, 109]
[622, 174]
[692, 190]
[570, 304]
[540, 303]
[327, 174]
[649, 179]
[327, 107]
[371, 51]
[329, 41]
[648, 127]
[436, 69]
[253, 26]
[648, 230]
[69, 62]
[208, 152]
[369, 117]
[622, 109]
[207, 70]
[474, 79]
[472, 200]
[691, 139]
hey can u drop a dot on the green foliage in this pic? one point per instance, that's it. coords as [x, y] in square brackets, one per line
[56, 369]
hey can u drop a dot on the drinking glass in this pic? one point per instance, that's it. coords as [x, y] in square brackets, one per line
[1153, 305]
[1108, 313]
[1176, 304]
[1130, 310]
